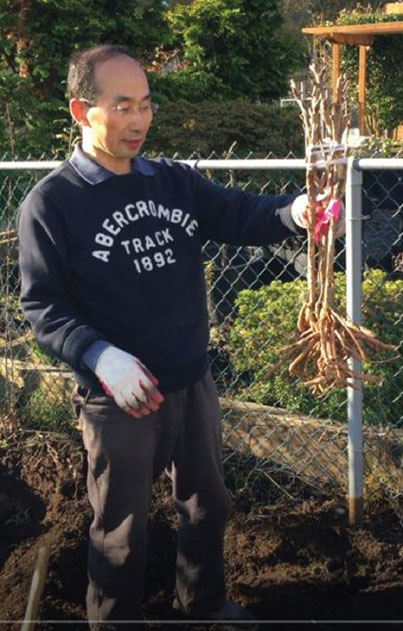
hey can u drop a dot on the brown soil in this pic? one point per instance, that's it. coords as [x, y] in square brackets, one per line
[299, 561]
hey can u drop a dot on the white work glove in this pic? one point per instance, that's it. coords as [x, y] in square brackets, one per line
[299, 212]
[128, 381]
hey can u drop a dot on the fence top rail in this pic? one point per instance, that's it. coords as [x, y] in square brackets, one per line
[248, 164]
[230, 164]
[369, 164]
[29, 165]
[252, 164]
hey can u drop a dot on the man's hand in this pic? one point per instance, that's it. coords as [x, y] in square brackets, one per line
[299, 212]
[128, 381]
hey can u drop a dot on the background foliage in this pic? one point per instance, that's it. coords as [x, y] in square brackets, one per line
[37, 37]
[223, 49]
[239, 53]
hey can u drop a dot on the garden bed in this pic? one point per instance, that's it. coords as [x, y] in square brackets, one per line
[285, 561]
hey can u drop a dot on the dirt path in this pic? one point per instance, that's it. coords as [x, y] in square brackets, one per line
[300, 562]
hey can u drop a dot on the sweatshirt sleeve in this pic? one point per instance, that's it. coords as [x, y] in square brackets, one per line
[46, 281]
[236, 217]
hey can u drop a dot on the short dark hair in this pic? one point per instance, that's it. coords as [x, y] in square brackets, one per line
[81, 77]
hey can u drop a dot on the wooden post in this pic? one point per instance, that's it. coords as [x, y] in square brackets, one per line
[361, 89]
[336, 68]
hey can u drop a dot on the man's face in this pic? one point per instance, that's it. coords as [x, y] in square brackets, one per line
[119, 121]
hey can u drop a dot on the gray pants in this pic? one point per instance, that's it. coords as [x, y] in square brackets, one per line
[125, 456]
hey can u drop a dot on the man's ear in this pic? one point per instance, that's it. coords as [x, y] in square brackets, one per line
[78, 109]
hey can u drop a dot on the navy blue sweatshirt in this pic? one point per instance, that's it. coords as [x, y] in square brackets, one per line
[118, 258]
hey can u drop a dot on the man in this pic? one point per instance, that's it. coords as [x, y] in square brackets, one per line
[112, 283]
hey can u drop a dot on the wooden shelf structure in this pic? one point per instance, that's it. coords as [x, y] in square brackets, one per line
[361, 35]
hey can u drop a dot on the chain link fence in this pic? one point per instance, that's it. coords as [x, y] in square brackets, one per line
[276, 435]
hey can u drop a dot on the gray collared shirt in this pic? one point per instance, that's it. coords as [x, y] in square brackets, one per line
[94, 173]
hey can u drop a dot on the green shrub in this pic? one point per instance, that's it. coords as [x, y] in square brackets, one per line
[188, 84]
[182, 127]
[40, 411]
[266, 320]
[237, 45]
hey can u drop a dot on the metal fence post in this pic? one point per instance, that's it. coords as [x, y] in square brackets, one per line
[354, 395]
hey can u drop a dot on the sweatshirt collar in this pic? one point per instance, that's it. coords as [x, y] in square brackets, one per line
[94, 173]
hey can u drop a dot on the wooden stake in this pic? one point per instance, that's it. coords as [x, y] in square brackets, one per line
[336, 69]
[361, 89]
[37, 584]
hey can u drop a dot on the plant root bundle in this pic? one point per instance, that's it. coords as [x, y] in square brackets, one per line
[327, 340]
[326, 343]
